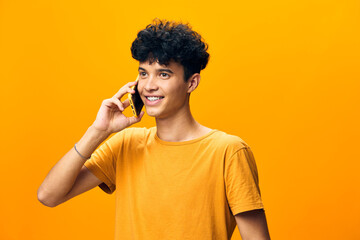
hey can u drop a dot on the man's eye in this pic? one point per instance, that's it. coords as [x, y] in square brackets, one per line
[142, 74]
[164, 74]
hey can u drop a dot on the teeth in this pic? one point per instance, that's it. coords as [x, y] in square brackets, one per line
[153, 98]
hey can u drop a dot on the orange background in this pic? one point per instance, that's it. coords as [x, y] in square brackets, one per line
[283, 75]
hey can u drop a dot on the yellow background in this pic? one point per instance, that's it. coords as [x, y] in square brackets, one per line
[283, 75]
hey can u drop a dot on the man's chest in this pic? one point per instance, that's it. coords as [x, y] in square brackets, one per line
[171, 174]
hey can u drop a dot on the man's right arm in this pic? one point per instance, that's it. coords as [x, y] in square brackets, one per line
[69, 177]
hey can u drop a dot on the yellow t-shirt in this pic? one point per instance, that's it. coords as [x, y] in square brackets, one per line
[176, 190]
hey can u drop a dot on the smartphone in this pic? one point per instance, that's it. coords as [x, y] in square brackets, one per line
[135, 100]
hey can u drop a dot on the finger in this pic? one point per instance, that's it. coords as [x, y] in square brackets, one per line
[141, 115]
[118, 103]
[126, 103]
[133, 120]
[125, 89]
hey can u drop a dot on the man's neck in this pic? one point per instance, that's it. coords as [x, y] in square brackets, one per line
[179, 128]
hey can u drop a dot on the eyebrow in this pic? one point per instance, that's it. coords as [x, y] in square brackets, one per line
[158, 70]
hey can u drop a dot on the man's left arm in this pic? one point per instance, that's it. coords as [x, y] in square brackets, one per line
[252, 225]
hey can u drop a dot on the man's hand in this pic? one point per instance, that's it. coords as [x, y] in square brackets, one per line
[252, 225]
[110, 118]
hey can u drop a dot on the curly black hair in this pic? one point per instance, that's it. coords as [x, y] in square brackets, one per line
[164, 41]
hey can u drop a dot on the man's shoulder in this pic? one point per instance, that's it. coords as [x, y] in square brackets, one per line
[227, 140]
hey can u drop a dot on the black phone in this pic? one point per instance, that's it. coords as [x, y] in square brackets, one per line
[135, 101]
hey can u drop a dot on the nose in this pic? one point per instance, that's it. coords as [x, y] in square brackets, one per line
[150, 84]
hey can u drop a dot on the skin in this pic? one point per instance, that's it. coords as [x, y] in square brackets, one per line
[69, 177]
[174, 120]
[252, 225]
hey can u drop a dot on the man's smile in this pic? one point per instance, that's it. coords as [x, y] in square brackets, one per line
[153, 98]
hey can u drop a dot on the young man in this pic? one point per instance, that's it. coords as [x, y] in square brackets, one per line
[178, 180]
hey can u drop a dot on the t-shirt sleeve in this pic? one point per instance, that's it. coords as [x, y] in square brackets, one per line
[103, 163]
[241, 182]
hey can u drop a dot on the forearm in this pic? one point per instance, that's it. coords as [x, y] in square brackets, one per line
[253, 225]
[62, 176]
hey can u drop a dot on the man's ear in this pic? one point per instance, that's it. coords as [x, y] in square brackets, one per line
[193, 82]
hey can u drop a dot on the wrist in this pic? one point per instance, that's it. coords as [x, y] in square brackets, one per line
[90, 141]
[98, 134]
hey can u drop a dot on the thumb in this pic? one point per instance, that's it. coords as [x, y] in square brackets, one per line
[133, 120]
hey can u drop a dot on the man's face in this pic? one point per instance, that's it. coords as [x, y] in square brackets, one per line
[163, 89]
